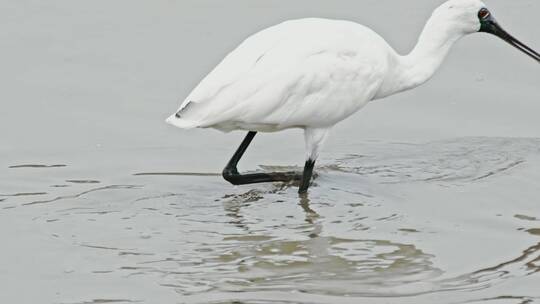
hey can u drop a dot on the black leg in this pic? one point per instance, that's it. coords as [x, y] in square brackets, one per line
[231, 174]
[306, 178]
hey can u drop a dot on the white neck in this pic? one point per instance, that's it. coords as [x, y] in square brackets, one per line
[423, 61]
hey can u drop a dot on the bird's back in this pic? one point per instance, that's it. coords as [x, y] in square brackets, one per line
[304, 72]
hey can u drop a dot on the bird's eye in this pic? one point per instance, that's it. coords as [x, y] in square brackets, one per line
[484, 13]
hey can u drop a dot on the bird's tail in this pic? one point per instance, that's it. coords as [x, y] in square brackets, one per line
[181, 122]
[186, 117]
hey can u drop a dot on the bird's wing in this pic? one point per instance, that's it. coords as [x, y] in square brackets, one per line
[236, 64]
[289, 75]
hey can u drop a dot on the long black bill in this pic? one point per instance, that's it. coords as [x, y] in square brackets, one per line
[490, 25]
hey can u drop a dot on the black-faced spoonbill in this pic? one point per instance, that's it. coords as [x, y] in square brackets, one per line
[313, 73]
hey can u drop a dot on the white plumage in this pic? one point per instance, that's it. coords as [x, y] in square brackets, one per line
[313, 73]
[302, 73]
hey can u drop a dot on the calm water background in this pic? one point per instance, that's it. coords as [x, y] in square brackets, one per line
[431, 196]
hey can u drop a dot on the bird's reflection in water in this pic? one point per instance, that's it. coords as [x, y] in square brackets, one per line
[275, 240]
[233, 204]
[311, 215]
[273, 249]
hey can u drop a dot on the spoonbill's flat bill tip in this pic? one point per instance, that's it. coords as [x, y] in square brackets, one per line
[313, 73]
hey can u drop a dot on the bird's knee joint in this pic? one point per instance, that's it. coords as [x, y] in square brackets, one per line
[232, 176]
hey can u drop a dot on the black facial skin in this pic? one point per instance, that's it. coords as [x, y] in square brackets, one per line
[490, 25]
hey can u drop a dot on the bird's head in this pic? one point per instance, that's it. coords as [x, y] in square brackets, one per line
[472, 16]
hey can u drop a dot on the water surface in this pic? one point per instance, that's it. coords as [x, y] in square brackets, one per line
[429, 197]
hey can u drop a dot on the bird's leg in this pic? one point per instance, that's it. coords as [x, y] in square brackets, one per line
[314, 138]
[231, 174]
[231, 169]
[306, 177]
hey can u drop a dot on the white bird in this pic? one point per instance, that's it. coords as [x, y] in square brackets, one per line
[313, 73]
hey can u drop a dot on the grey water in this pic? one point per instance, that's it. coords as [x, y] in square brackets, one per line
[431, 196]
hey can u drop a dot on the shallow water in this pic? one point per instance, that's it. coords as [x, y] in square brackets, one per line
[401, 223]
[431, 197]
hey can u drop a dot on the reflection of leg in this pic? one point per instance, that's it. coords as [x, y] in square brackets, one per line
[231, 174]
[311, 215]
[314, 140]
